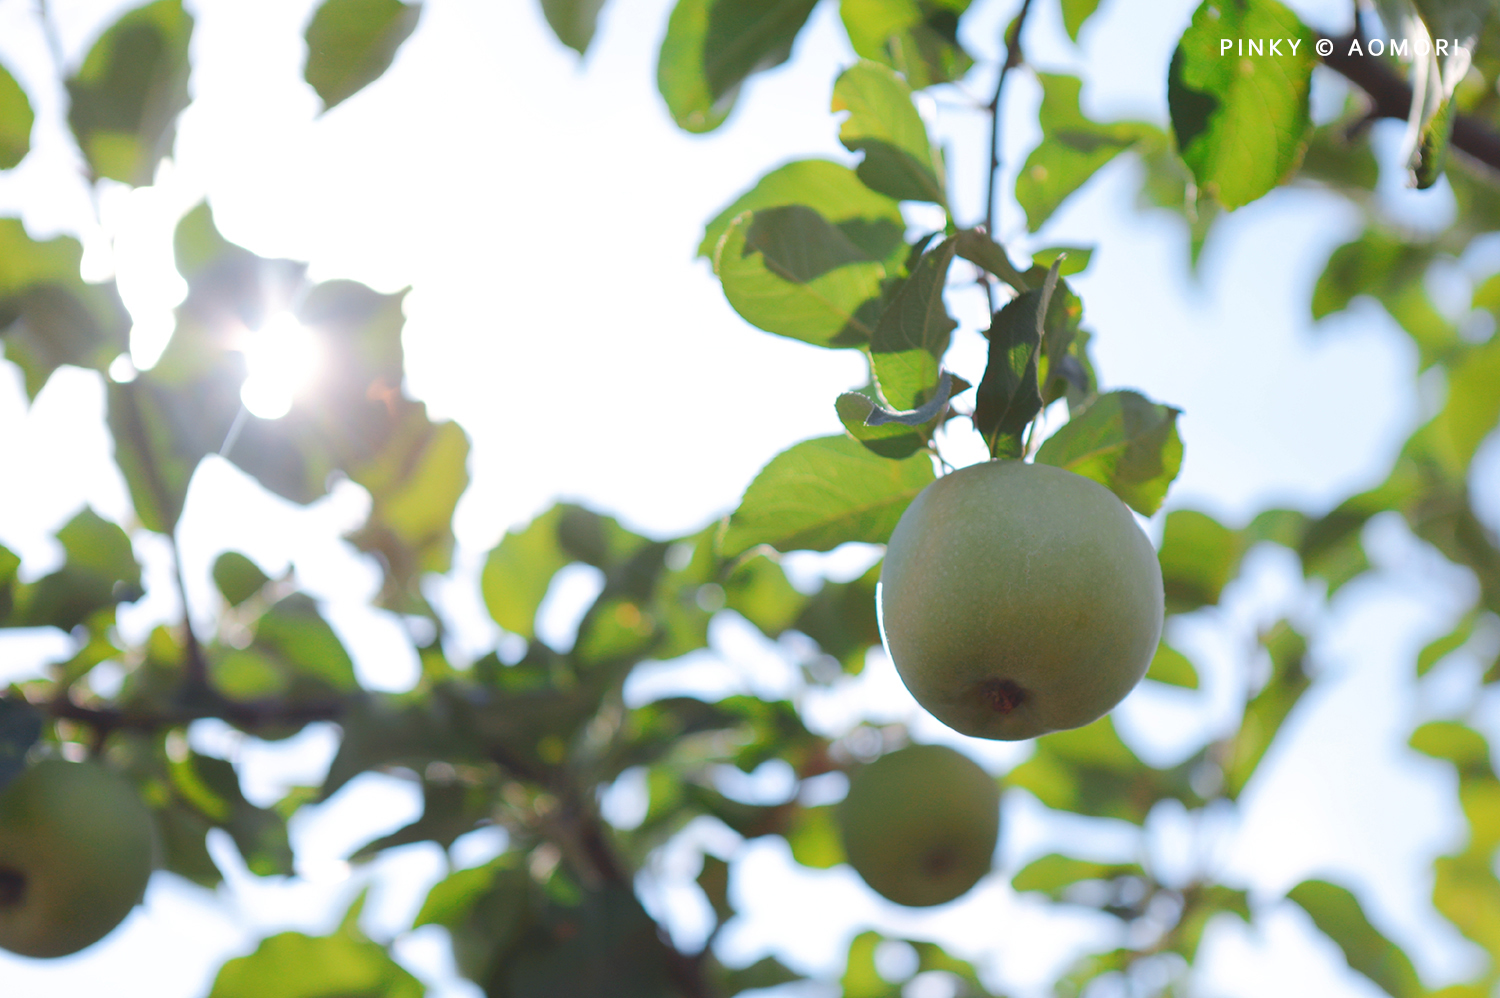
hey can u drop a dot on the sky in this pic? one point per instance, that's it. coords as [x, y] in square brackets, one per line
[544, 212]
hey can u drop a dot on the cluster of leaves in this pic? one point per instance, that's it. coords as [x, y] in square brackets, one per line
[817, 251]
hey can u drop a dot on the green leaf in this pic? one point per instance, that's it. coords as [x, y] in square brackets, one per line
[573, 21]
[767, 972]
[295, 636]
[20, 727]
[237, 577]
[758, 590]
[1241, 115]
[16, 119]
[814, 838]
[1010, 393]
[350, 43]
[293, 965]
[1090, 771]
[1073, 149]
[1472, 409]
[1172, 667]
[871, 221]
[1392, 270]
[450, 808]
[127, 94]
[1457, 743]
[1125, 442]
[916, 38]
[861, 978]
[1075, 259]
[1430, 159]
[714, 880]
[1440, 648]
[212, 787]
[913, 333]
[1075, 12]
[789, 271]
[519, 570]
[712, 46]
[888, 432]
[605, 946]
[48, 315]
[884, 125]
[841, 618]
[1267, 710]
[1199, 555]
[822, 493]
[1053, 873]
[1338, 915]
[100, 571]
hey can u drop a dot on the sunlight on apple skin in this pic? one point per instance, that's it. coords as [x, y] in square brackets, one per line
[282, 358]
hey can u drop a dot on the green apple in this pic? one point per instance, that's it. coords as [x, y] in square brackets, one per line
[76, 848]
[920, 824]
[1018, 599]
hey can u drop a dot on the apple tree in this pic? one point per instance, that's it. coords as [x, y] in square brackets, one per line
[865, 254]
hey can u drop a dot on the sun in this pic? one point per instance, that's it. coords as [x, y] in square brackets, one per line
[282, 359]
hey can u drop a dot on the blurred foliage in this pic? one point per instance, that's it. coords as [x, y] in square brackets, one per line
[525, 737]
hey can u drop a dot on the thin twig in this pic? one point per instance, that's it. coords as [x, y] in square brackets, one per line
[1013, 59]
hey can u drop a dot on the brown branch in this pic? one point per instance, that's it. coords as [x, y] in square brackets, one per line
[248, 716]
[1390, 97]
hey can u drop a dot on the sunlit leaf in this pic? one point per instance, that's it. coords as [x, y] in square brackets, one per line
[293, 965]
[1268, 709]
[1054, 872]
[884, 125]
[869, 220]
[822, 493]
[712, 46]
[16, 119]
[350, 43]
[1472, 410]
[913, 333]
[814, 838]
[1126, 443]
[48, 315]
[916, 38]
[1199, 555]
[1338, 915]
[1075, 12]
[1172, 667]
[1090, 771]
[125, 98]
[1073, 149]
[1240, 115]
[789, 271]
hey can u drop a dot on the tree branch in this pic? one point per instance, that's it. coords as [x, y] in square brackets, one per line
[1013, 59]
[247, 715]
[1390, 97]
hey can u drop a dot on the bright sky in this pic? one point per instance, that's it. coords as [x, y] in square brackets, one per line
[545, 216]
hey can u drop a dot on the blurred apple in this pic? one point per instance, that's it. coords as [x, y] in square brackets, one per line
[920, 824]
[76, 848]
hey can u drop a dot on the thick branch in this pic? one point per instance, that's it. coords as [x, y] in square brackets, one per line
[246, 715]
[1390, 97]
